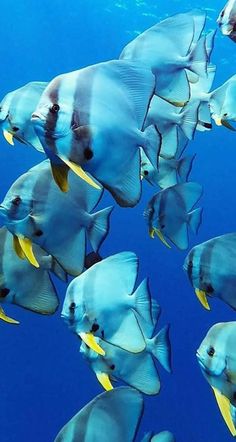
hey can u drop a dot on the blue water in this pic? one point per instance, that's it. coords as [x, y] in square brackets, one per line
[43, 379]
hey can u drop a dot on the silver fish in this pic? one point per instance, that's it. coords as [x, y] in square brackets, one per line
[169, 213]
[93, 118]
[102, 303]
[227, 20]
[35, 211]
[217, 359]
[106, 418]
[211, 268]
[15, 114]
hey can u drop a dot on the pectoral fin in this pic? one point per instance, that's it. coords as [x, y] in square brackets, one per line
[224, 406]
[26, 247]
[80, 172]
[6, 318]
[201, 295]
[90, 341]
[8, 137]
[104, 380]
[60, 175]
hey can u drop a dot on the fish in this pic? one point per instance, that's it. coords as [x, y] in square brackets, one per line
[22, 284]
[107, 414]
[137, 370]
[172, 48]
[169, 172]
[170, 212]
[15, 114]
[227, 20]
[164, 436]
[102, 303]
[91, 120]
[35, 211]
[217, 359]
[170, 122]
[222, 103]
[211, 269]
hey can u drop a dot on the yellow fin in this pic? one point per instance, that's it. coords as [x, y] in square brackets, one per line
[151, 233]
[17, 247]
[224, 406]
[60, 175]
[90, 341]
[8, 137]
[161, 237]
[80, 172]
[26, 246]
[104, 380]
[217, 120]
[201, 295]
[6, 318]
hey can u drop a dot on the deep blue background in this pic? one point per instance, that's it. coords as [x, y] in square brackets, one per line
[43, 379]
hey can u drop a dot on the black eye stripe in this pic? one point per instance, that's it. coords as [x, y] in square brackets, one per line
[55, 108]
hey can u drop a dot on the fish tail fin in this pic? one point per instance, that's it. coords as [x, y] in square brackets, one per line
[195, 219]
[99, 227]
[152, 144]
[142, 299]
[58, 270]
[198, 58]
[184, 167]
[190, 119]
[161, 348]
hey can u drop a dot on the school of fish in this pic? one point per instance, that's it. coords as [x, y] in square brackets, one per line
[114, 127]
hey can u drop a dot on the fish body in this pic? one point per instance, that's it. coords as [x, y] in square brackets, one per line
[94, 118]
[169, 213]
[171, 48]
[101, 303]
[36, 209]
[137, 370]
[106, 417]
[164, 436]
[172, 124]
[217, 360]
[168, 173]
[211, 269]
[222, 103]
[24, 285]
[16, 110]
[227, 20]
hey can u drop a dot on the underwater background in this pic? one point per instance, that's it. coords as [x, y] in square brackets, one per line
[43, 378]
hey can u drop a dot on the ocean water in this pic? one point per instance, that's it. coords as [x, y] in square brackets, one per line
[43, 378]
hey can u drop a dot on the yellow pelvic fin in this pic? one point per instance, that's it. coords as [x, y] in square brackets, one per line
[151, 233]
[224, 406]
[104, 380]
[90, 341]
[217, 120]
[161, 237]
[80, 172]
[201, 295]
[17, 247]
[60, 175]
[6, 318]
[26, 246]
[8, 137]
[225, 123]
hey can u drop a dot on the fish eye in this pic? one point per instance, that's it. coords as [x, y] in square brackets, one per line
[95, 327]
[211, 352]
[15, 129]
[162, 226]
[225, 115]
[145, 172]
[72, 307]
[222, 14]
[190, 264]
[16, 201]
[55, 108]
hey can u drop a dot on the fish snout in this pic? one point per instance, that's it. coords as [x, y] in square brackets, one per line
[37, 117]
